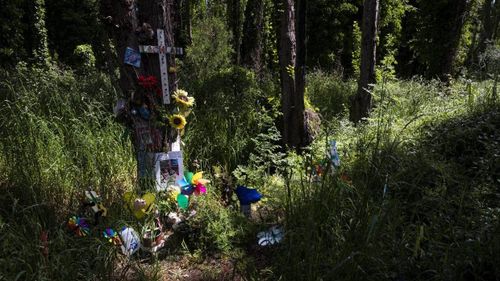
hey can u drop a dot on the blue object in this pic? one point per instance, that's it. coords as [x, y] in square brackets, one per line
[187, 190]
[132, 57]
[183, 183]
[247, 195]
[144, 113]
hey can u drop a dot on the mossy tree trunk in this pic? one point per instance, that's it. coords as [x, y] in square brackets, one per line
[39, 43]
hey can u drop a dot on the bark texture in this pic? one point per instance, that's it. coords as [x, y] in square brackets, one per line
[460, 11]
[252, 42]
[302, 134]
[132, 23]
[287, 56]
[234, 22]
[361, 103]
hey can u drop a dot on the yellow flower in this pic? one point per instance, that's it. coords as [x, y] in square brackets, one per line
[177, 121]
[181, 97]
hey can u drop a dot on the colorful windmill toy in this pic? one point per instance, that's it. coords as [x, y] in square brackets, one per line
[112, 236]
[193, 183]
[78, 226]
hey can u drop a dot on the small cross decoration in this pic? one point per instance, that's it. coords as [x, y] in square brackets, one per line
[162, 50]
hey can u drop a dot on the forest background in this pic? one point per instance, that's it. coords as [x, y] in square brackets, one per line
[417, 195]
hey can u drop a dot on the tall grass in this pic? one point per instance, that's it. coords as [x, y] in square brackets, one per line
[436, 219]
[57, 139]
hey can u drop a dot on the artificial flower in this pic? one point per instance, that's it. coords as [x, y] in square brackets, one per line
[148, 82]
[177, 121]
[181, 97]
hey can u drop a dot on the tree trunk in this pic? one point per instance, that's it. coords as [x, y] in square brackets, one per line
[489, 24]
[300, 76]
[252, 43]
[453, 43]
[234, 22]
[287, 48]
[361, 103]
[38, 40]
[134, 22]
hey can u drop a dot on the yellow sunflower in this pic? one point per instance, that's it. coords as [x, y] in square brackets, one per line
[177, 121]
[181, 97]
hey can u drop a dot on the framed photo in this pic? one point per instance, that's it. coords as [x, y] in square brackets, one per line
[168, 169]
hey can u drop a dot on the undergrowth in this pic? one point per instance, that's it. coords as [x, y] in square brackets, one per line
[416, 197]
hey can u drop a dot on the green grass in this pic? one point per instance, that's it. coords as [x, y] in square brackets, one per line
[439, 153]
[57, 139]
[437, 148]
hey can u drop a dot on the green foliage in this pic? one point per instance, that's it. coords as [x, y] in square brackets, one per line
[85, 57]
[210, 51]
[436, 218]
[57, 139]
[329, 94]
[39, 38]
[12, 30]
[231, 106]
[71, 24]
[392, 13]
[332, 21]
[356, 48]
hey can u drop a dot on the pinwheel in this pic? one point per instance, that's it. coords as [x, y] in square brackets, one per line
[112, 236]
[78, 226]
[193, 183]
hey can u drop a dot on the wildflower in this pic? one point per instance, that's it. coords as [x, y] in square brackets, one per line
[177, 121]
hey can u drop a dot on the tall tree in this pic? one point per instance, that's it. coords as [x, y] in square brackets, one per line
[490, 18]
[134, 22]
[361, 103]
[300, 75]
[234, 20]
[292, 104]
[253, 31]
[287, 64]
[459, 9]
[39, 42]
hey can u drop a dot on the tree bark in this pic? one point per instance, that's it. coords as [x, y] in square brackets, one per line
[127, 21]
[453, 43]
[252, 43]
[489, 25]
[361, 103]
[300, 76]
[234, 22]
[287, 55]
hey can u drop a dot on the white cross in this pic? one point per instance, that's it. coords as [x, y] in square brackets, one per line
[162, 50]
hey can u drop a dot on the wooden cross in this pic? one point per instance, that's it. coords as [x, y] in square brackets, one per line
[162, 50]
